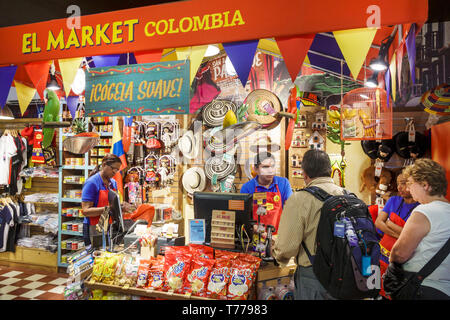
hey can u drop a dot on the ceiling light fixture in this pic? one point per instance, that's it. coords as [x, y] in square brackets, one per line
[53, 84]
[372, 82]
[380, 63]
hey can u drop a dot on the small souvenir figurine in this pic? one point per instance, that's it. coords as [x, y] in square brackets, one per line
[166, 138]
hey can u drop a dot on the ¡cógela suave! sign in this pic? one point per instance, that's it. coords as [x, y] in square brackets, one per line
[139, 89]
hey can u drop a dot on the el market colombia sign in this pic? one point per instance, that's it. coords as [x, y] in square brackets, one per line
[139, 89]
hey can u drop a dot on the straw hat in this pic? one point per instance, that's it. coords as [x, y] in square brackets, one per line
[224, 140]
[188, 145]
[194, 180]
[214, 112]
[437, 100]
[262, 106]
[264, 144]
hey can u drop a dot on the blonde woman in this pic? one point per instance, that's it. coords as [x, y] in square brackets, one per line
[427, 229]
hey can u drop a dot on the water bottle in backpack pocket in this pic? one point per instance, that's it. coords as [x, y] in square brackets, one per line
[347, 255]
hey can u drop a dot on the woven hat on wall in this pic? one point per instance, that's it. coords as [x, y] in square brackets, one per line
[214, 112]
[188, 145]
[224, 140]
[262, 106]
[437, 100]
[217, 168]
[194, 180]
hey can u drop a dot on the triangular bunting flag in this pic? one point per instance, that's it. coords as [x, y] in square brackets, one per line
[387, 82]
[6, 78]
[400, 52]
[241, 55]
[38, 74]
[72, 103]
[24, 95]
[411, 49]
[126, 59]
[294, 50]
[148, 56]
[393, 71]
[195, 56]
[69, 68]
[106, 60]
[355, 45]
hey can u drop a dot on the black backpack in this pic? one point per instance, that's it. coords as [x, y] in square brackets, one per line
[338, 265]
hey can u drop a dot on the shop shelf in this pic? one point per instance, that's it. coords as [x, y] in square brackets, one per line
[71, 167]
[70, 200]
[72, 233]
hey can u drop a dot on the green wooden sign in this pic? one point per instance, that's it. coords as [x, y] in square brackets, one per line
[138, 89]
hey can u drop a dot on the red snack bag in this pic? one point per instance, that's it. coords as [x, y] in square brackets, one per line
[218, 279]
[197, 278]
[176, 266]
[241, 279]
[226, 254]
[156, 274]
[142, 275]
[200, 250]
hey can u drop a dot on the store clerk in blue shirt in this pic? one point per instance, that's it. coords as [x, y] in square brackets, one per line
[276, 190]
[94, 199]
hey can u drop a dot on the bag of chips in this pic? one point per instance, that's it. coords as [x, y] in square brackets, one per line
[176, 266]
[97, 269]
[142, 275]
[225, 254]
[131, 271]
[120, 277]
[218, 278]
[199, 250]
[109, 269]
[197, 278]
[241, 280]
[156, 274]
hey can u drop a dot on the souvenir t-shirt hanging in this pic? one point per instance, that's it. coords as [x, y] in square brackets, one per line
[7, 150]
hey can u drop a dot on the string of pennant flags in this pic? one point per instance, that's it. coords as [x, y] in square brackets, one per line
[352, 47]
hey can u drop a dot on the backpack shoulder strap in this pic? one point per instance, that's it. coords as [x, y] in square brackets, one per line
[317, 192]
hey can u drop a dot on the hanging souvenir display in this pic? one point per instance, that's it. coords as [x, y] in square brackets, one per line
[38, 155]
[166, 170]
[410, 144]
[169, 133]
[152, 135]
[133, 186]
[150, 168]
[365, 115]
[214, 112]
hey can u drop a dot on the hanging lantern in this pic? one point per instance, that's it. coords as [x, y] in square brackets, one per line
[365, 115]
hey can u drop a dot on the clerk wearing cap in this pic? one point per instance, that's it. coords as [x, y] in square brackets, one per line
[270, 192]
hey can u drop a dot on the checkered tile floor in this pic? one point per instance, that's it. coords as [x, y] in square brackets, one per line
[29, 284]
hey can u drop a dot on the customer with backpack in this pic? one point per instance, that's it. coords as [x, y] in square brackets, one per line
[303, 218]
[391, 221]
[422, 250]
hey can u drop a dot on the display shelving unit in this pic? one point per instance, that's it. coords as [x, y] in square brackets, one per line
[66, 201]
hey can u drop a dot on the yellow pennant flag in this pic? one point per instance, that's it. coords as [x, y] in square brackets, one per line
[393, 69]
[69, 68]
[195, 55]
[24, 95]
[169, 55]
[355, 45]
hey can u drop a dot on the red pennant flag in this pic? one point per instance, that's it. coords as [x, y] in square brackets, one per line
[38, 73]
[148, 56]
[294, 50]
